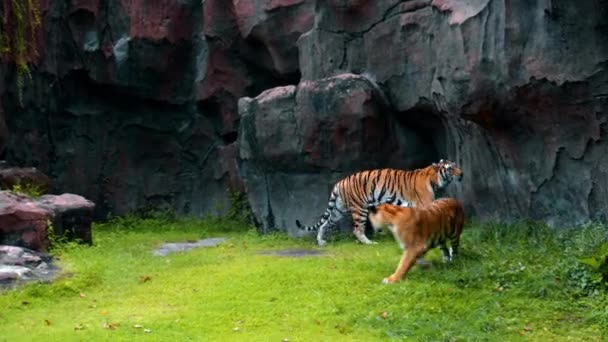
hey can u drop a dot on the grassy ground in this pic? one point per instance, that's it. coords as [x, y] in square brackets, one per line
[511, 283]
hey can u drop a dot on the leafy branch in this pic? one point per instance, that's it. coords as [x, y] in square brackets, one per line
[19, 24]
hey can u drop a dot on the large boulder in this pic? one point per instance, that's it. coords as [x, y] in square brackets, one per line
[22, 222]
[27, 222]
[296, 142]
[71, 216]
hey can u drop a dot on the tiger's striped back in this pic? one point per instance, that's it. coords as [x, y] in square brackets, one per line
[403, 188]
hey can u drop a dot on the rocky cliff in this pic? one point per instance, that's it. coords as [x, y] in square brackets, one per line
[135, 104]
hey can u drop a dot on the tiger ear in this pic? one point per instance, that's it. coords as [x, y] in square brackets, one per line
[441, 161]
[372, 209]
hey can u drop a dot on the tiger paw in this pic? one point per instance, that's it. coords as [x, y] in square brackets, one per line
[321, 243]
[388, 280]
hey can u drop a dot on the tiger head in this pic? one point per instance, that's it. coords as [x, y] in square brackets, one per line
[447, 172]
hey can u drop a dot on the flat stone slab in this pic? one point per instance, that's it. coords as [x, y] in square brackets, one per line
[293, 252]
[173, 247]
[19, 265]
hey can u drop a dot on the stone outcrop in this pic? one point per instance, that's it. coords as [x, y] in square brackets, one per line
[136, 105]
[25, 221]
[296, 142]
[71, 216]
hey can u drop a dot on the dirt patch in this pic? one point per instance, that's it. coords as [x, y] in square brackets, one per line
[173, 247]
[294, 252]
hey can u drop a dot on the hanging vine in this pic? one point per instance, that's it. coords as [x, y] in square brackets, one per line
[19, 24]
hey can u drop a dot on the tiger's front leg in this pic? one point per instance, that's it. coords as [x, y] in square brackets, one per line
[408, 259]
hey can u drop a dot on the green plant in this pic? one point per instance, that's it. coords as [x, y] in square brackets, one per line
[587, 268]
[19, 24]
[239, 208]
[55, 242]
[590, 274]
[29, 190]
[598, 261]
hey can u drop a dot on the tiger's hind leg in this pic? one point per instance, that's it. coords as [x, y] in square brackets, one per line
[321, 232]
[335, 215]
[359, 220]
[454, 244]
[447, 255]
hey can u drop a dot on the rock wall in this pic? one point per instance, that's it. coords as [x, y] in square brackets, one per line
[136, 106]
[133, 104]
[514, 92]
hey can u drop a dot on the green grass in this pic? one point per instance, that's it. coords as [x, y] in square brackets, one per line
[510, 284]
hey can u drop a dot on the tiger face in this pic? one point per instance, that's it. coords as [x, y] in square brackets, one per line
[447, 172]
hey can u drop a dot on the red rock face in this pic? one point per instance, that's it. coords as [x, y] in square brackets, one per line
[22, 223]
[156, 20]
[246, 37]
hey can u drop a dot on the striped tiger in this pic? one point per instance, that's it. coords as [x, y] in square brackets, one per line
[355, 193]
[420, 228]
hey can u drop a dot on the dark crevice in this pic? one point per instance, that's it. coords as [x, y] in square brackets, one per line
[428, 123]
[82, 18]
[213, 108]
[104, 12]
[344, 59]
[229, 137]
[115, 96]
[263, 74]
[270, 215]
[52, 155]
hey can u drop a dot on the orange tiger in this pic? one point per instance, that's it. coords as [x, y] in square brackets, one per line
[360, 190]
[418, 229]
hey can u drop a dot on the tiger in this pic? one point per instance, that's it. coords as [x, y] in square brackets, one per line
[355, 193]
[420, 228]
